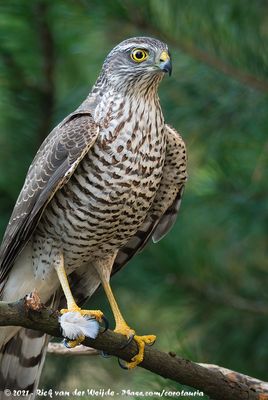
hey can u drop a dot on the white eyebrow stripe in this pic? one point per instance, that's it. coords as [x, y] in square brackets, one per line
[129, 47]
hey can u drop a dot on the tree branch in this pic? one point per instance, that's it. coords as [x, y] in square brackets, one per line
[30, 314]
[254, 383]
[60, 349]
[258, 385]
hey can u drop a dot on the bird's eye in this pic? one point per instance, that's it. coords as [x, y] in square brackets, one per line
[139, 55]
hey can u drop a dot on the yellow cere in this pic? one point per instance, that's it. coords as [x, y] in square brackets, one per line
[164, 56]
[139, 55]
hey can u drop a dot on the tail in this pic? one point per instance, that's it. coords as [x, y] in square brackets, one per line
[22, 351]
[21, 362]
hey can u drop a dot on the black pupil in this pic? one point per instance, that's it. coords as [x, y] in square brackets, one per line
[139, 55]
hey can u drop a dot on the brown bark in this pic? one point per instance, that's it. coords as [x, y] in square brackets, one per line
[168, 365]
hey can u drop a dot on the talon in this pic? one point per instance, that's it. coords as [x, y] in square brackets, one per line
[141, 341]
[129, 340]
[148, 339]
[105, 355]
[66, 343]
[152, 342]
[106, 324]
[121, 365]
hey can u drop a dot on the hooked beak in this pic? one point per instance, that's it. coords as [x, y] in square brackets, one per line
[165, 62]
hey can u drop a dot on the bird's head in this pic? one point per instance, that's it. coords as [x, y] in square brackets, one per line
[138, 61]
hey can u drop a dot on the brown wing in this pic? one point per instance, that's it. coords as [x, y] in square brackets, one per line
[164, 210]
[52, 166]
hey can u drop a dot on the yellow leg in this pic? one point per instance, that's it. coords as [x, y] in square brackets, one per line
[120, 324]
[71, 304]
[122, 327]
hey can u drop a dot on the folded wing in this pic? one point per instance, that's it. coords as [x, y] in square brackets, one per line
[53, 165]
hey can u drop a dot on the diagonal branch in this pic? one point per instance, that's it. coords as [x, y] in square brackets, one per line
[60, 349]
[210, 381]
[254, 383]
[258, 385]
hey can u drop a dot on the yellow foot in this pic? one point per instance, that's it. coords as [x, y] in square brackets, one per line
[141, 342]
[97, 314]
[70, 344]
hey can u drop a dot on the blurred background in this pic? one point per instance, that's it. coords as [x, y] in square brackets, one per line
[203, 289]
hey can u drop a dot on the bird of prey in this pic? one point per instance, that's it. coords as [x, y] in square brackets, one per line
[104, 182]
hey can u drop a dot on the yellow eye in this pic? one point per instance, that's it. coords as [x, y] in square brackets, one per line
[139, 55]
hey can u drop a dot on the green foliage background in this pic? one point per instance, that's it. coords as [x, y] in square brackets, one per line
[203, 289]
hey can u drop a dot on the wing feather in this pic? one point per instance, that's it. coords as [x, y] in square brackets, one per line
[164, 210]
[168, 219]
[53, 165]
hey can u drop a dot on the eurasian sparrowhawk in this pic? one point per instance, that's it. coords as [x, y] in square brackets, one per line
[107, 179]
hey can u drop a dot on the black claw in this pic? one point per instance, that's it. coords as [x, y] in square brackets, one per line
[66, 343]
[129, 340]
[105, 355]
[151, 344]
[106, 324]
[121, 365]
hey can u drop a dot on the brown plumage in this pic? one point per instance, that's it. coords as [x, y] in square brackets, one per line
[105, 181]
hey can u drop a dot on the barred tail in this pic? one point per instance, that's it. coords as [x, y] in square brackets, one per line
[21, 363]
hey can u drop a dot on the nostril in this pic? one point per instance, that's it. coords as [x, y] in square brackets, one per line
[164, 60]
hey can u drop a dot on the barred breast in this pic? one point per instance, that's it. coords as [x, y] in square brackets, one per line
[108, 197]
